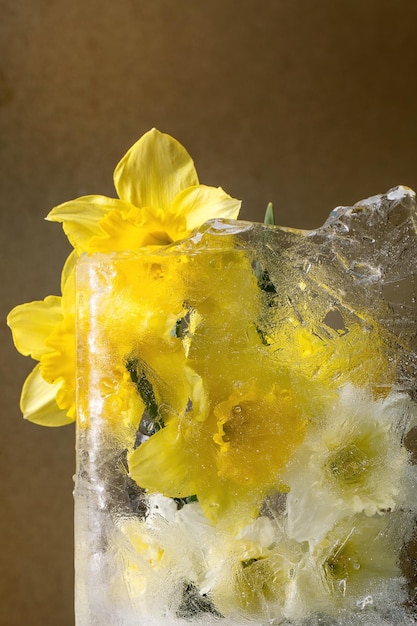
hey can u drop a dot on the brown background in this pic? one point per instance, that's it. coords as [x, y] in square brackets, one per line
[308, 103]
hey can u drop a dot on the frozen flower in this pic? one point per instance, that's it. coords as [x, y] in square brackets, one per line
[160, 201]
[229, 573]
[231, 443]
[356, 559]
[248, 572]
[351, 461]
[230, 459]
[326, 359]
[137, 306]
[165, 553]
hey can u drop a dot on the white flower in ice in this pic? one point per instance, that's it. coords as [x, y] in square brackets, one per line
[351, 461]
[159, 538]
[248, 573]
[178, 552]
[356, 563]
[163, 554]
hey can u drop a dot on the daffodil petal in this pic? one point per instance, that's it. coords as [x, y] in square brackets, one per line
[81, 218]
[68, 296]
[38, 403]
[171, 462]
[201, 203]
[154, 171]
[32, 323]
[68, 269]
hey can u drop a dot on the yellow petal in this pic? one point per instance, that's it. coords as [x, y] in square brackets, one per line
[154, 171]
[68, 296]
[201, 203]
[68, 269]
[59, 363]
[162, 456]
[32, 323]
[81, 218]
[38, 403]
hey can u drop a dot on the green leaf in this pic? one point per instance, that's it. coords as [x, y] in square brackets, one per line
[269, 215]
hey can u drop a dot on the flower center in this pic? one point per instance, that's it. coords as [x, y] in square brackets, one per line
[233, 427]
[343, 562]
[349, 464]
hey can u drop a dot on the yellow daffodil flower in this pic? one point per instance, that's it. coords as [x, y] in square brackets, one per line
[160, 201]
[230, 442]
[45, 330]
[130, 309]
[231, 460]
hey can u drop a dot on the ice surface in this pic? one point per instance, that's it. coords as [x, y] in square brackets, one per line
[246, 419]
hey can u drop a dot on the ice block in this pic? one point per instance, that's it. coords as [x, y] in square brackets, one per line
[246, 418]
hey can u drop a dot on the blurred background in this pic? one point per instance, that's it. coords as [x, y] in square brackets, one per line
[309, 104]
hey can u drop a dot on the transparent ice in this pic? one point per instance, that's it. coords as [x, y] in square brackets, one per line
[338, 315]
